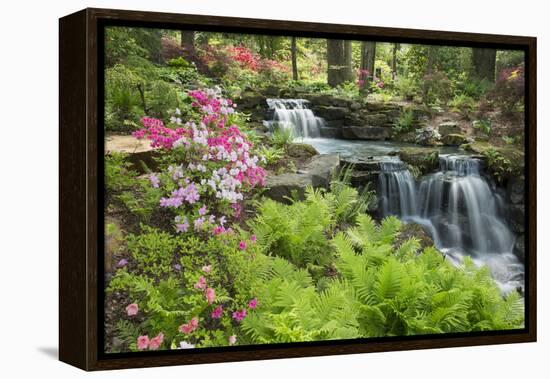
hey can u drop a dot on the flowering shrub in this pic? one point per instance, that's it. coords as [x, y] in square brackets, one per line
[509, 90]
[188, 292]
[216, 164]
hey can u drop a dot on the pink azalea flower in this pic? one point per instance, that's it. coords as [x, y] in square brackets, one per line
[132, 309]
[155, 342]
[123, 262]
[242, 245]
[253, 238]
[202, 210]
[207, 269]
[210, 295]
[201, 283]
[232, 339]
[252, 304]
[190, 326]
[142, 342]
[217, 312]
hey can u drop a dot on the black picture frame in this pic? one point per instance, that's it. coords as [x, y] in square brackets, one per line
[81, 188]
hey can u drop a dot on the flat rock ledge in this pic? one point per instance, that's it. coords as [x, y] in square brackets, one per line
[139, 151]
[317, 173]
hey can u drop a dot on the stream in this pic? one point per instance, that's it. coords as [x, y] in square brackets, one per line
[460, 207]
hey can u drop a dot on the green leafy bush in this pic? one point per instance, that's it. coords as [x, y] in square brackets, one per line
[463, 104]
[484, 125]
[281, 137]
[381, 291]
[405, 121]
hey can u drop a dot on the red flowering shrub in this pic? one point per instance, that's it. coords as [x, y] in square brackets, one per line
[509, 90]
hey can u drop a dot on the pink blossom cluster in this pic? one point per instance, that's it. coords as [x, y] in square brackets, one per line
[143, 342]
[160, 135]
[219, 166]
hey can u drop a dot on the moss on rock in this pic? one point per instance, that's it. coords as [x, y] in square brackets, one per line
[423, 159]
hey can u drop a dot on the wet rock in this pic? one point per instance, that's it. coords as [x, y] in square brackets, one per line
[367, 164]
[334, 123]
[251, 99]
[377, 119]
[355, 106]
[301, 150]
[453, 139]
[331, 113]
[340, 102]
[328, 132]
[317, 173]
[354, 119]
[516, 189]
[380, 106]
[366, 132]
[319, 99]
[519, 248]
[272, 91]
[412, 230]
[449, 127]
[424, 159]
[360, 179]
[516, 218]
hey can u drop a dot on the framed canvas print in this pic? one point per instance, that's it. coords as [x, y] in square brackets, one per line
[238, 189]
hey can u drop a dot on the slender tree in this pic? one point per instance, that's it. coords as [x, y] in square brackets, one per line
[396, 47]
[484, 63]
[188, 41]
[368, 53]
[294, 58]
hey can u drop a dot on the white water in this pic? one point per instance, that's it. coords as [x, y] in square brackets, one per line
[460, 209]
[294, 114]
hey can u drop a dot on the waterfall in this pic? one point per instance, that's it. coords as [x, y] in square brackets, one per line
[461, 210]
[294, 114]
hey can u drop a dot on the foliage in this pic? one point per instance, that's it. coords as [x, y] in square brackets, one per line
[405, 121]
[407, 87]
[500, 166]
[484, 125]
[281, 137]
[298, 232]
[463, 104]
[509, 90]
[271, 154]
[381, 291]
[176, 280]
[118, 174]
[436, 88]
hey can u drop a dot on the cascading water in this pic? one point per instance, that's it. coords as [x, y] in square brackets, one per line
[294, 114]
[461, 210]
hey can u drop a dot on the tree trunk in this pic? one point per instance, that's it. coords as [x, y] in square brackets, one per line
[368, 54]
[396, 47]
[188, 41]
[294, 59]
[347, 71]
[484, 62]
[335, 62]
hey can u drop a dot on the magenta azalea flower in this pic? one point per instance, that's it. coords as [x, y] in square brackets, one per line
[242, 245]
[252, 304]
[217, 312]
[239, 315]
